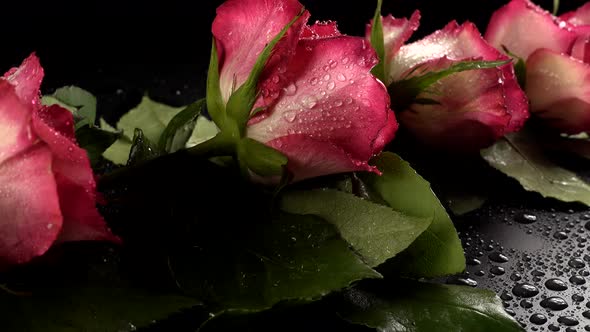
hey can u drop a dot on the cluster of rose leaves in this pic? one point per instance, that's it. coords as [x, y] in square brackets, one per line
[318, 104]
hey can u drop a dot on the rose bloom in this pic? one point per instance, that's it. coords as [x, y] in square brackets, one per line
[556, 54]
[467, 110]
[47, 188]
[322, 108]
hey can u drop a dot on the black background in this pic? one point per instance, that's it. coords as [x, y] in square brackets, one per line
[120, 50]
[163, 47]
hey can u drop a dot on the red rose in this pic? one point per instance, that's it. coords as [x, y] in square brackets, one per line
[47, 188]
[322, 108]
[468, 110]
[555, 50]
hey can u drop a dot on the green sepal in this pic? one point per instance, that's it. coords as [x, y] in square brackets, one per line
[240, 103]
[519, 67]
[215, 105]
[555, 7]
[405, 92]
[142, 149]
[259, 158]
[180, 128]
[381, 70]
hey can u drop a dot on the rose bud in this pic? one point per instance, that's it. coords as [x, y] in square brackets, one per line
[556, 60]
[317, 103]
[47, 188]
[463, 111]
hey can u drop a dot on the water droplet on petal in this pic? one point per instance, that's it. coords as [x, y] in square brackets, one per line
[331, 85]
[290, 116]
[341, 77]
[291, 89]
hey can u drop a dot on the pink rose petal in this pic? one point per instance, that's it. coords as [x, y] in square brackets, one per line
[310, 157]
[27, 79]
[320, 30]
[580, 16]
[467, 101]
[471, 112]
[15, 135]
[396, 31]
[523, 27]
[242, 28]
[75, 180]
[581, 49]
[559, 89]
[30, 217]
[332, 99]
[454, 41]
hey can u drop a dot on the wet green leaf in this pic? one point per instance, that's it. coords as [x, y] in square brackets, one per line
[519, 156]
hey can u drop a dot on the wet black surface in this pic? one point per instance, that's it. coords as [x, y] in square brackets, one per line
[543, 274]
[534, 252]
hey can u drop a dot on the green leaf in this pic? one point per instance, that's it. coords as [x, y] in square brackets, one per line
[261, 159]
[404, 92]
[437, 251]
[461, 203]
[293, 258]
[149, 116]
[519, 156]
[410, 306]
[377, 232]
[240, 103]
[95, 141]
[79, 101]
[84, 287]
[204, 130]
[180, 128]
[215, 105]
[87, 308]
[142, 149]
[380, 70]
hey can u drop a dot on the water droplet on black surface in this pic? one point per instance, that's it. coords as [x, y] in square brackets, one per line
[577, 280]
[505, 296]
[498, 257]
[576, 263]
[538, 319]
[553, 327]
[587, 226]
[577, 298]
[526, 304]
[526, 218]
[459, 280]
[560, 235]
[497, 270]
[554, 303]
[515, 276]
[568, 321]
[586, 314]
[510, 312]
[525, 290]
[473, 261]
[556, 284]
[537, 273]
